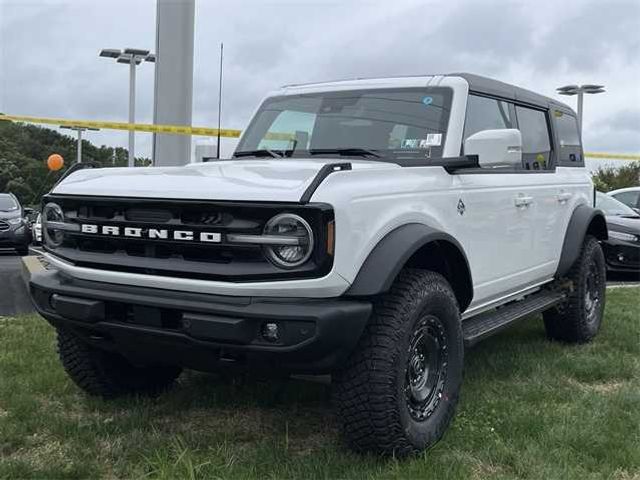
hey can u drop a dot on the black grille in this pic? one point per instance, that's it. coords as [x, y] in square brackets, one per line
[190, 259]
[148, 215]
[4, 226]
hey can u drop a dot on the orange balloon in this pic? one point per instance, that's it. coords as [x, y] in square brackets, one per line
[55, 162]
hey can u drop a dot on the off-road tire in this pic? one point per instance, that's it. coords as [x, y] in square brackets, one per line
[573, 321]
[108, 374]
[370, 391]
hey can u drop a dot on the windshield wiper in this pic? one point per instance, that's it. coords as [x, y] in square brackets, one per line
[264, 152]
[359, 152]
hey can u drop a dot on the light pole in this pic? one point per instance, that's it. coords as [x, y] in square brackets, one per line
[79, 130]
[133, 57]
[580, 90]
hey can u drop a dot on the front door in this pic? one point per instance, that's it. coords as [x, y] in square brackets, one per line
[497, 231]
[509, 222]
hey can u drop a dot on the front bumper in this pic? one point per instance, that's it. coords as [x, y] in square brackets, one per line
[622, 256]
[202, 331]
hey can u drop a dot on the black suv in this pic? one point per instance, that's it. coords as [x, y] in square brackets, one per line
[14, 229]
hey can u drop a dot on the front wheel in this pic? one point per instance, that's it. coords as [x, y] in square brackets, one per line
[579, 318]
[398, 391]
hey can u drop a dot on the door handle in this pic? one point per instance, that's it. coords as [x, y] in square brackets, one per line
[564, 197]
[523, 201]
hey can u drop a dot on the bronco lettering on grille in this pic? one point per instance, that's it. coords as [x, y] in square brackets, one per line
[151, 233]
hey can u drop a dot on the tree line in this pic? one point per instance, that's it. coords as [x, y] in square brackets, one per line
[24, 150]
[612, 178]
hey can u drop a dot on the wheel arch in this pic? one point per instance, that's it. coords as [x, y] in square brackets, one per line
[585, 220]
[417, 246]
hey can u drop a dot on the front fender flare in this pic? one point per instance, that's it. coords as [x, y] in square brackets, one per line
[389, 256]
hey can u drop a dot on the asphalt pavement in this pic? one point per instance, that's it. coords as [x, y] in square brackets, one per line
[14, 298]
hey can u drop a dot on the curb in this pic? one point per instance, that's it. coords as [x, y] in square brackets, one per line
[30, 266]
[626, 285]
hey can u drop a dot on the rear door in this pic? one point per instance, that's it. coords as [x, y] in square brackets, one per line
[545, 185]
[574, 182]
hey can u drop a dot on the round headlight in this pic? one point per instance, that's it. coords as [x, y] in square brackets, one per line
[297, 240]
[52, 214]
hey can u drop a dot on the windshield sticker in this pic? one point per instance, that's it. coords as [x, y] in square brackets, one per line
[432, 140]
[410, 143]
[427, 100]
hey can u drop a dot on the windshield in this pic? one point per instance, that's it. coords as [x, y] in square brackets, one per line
[396, 123]
[7, 204]
[611, 206]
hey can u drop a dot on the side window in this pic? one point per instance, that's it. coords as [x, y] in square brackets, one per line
[630, 199]
[486, 114]
[536, 146]
[570, 147]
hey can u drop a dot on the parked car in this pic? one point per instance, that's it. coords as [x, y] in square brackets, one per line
[14, 227]
[36, 230]
[622, 248]
[629, 196]
[368, 229]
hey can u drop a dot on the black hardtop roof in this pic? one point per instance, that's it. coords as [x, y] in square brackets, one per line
[490, 86]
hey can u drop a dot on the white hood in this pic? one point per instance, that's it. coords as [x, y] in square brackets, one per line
[246, 180]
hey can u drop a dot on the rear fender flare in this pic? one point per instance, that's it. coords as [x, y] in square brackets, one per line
[584, 220]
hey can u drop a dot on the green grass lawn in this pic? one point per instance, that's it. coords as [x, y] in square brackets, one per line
[530, 408]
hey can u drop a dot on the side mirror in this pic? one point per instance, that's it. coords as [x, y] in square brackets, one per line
[496, 148]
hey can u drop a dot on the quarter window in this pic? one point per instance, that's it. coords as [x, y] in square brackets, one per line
[570, 147]
[486, 114]
[536, 146]
[568, 133]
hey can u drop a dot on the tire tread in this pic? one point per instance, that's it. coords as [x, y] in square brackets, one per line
[364, 388]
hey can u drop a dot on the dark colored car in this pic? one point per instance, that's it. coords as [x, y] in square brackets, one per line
[622, 249]
[630, 196]
[14, 228]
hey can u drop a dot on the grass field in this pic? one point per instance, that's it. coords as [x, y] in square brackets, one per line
[529, 409]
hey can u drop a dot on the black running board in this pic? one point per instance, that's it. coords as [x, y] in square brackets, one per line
[488, 323]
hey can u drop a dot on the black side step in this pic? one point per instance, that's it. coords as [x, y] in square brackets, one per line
[486, 324]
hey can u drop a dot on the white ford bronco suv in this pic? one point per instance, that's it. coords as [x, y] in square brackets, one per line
[368, 229]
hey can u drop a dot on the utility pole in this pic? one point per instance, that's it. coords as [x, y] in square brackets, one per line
[173, 92]
[79, 131]
[220, 102]
[133, 57]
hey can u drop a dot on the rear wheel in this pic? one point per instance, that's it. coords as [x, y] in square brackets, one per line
[579, 318]
[108, 374]
[398, 391]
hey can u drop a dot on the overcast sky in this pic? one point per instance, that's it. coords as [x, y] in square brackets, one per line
[49, 64]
